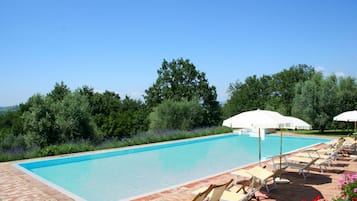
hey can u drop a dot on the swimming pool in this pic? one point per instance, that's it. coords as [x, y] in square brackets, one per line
[131, 172]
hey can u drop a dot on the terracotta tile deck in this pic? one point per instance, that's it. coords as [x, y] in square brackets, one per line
[323, 184]
[17, 185]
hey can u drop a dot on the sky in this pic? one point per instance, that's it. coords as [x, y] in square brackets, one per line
[118, 45]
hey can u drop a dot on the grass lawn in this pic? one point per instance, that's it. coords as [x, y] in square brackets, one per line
[331, 133]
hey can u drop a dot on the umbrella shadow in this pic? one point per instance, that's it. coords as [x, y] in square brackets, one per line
[299, 189]
[294, 192]
[339, 165]
[312, 179]
[343, 159]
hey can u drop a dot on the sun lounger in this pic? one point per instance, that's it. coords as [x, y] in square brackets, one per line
[331, 146]
[322, 163]
[262, 174]
[201, 196]
[350, 140]
[303, 165]
[350, 145]
[215, 192]
[226, 192]
[312, 153]
[324, 159]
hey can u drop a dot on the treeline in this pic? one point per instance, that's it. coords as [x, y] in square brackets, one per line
[181, 98]
[4, 110]
[299, 91]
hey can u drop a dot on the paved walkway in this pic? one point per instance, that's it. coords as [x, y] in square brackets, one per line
[323, 184]
[17, 185]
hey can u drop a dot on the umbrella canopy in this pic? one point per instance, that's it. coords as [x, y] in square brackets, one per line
[349, 116]
[256, 119]
[296, 123]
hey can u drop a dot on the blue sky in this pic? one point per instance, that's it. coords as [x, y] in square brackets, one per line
[119, 45]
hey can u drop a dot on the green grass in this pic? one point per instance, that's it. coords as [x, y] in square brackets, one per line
[330, 133]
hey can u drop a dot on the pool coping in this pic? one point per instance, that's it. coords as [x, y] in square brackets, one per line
[263, 161]
[16, 164]
[70, 195]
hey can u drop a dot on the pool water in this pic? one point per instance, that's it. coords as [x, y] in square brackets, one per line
[128, 173]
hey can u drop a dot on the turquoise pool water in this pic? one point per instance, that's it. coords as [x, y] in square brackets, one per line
[128, 173]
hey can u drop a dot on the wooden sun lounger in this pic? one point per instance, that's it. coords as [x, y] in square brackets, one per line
[262, 174]
[303, 165]
[225, 192]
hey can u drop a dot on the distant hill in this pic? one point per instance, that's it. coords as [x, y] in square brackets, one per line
[4, 110]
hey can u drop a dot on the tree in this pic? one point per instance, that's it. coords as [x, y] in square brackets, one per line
[59, 91]
[179, 80]
[74, 120]
[250, 95]
[274, 92]
[183, 115]
[11, 122]
[102, 105]
[316, 101]
[130, 119]
[283, 86]
[139, 111]
[39, 122]
[48, 121]
[115, 117]
[347, 94]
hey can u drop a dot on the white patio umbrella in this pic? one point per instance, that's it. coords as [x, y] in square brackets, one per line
[256, 119]
[296, 123]
[348, 116]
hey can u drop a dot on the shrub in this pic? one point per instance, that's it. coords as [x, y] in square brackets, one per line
[348, 186]
[17, 153]
[12, 143]
[65, 149]
[170, 114]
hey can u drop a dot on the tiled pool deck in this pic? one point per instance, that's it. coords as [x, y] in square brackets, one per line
[17, 185]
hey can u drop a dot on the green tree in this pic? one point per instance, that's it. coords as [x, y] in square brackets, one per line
[347, 94]
[274, 92]
[250, 95]
[102, 106]
[316, 101]
[11, 122]
[48, 121]
[74, 120]
[115, 117]
[39, 122]
[179, 80]
[130, 119]
[283, 84]
[139, 112]
[59, 91]
[183, 115]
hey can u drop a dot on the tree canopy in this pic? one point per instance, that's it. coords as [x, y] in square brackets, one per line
[182, 115]
[274, 92]
[179, 80]
[319, 99]
[180, 98]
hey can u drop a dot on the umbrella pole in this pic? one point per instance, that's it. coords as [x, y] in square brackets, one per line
[354, 135]
[281, 147]
[259, 144]
[279, 179]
